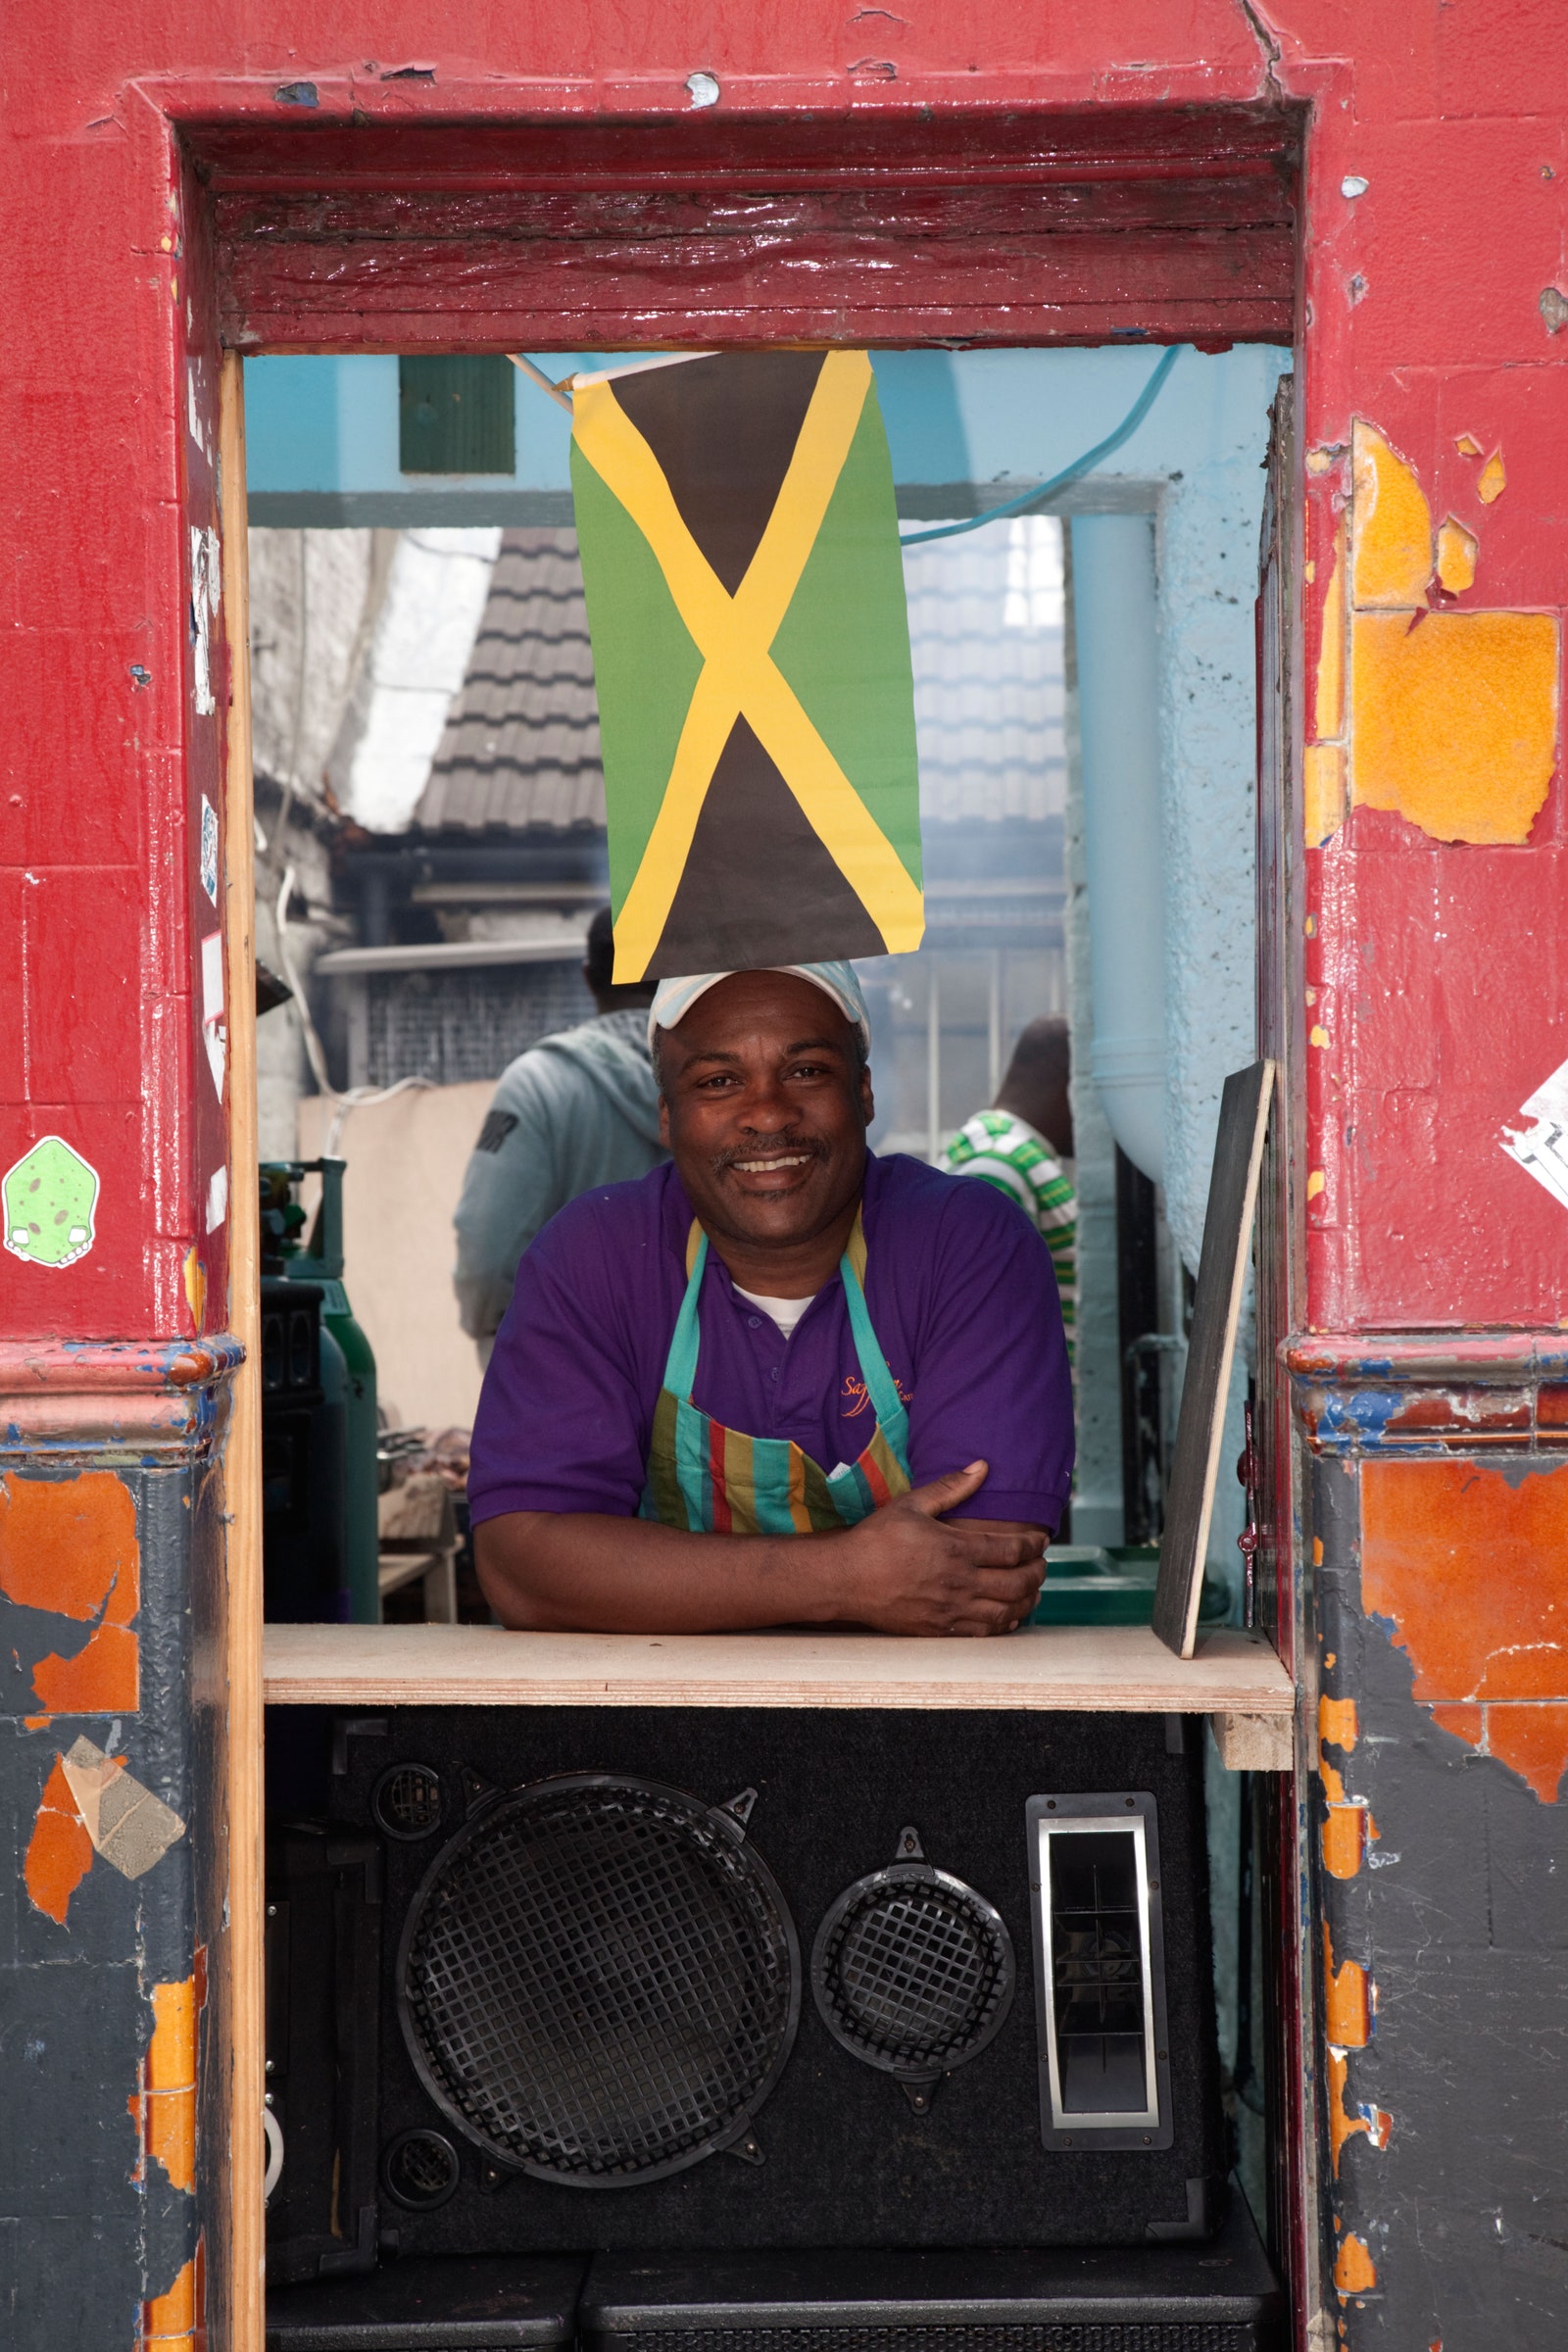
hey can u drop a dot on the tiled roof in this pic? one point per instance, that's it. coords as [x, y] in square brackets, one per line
[990, 697]
[520, 750]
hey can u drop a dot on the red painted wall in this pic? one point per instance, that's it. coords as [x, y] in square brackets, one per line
[1439, 1002]
[1421, 314]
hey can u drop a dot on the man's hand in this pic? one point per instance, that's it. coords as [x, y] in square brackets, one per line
[914, 1572]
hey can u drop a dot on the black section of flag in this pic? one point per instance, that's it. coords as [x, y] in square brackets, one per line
[724, 432]
[759, 886]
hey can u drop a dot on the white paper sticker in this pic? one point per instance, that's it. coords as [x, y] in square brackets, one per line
[217, 1199]
[209, 848]
[215, 1033]
[1541, 1150]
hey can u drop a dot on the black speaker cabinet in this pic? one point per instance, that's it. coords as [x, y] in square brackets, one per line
[322, 1961]
[1220, 2297]
[484, 2305]
[655, 1979]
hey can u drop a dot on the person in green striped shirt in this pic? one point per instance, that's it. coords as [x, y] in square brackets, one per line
[1020, 1146]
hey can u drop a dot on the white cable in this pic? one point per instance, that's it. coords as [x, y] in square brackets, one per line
[314, 1053]
[273, 2131]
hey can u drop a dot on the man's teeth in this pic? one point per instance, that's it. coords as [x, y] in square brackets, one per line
[761, 1167]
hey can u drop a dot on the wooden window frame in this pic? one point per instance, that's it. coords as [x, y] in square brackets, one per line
[1029, 227]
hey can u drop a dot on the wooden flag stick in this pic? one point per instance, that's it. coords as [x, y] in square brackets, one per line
[545, 383]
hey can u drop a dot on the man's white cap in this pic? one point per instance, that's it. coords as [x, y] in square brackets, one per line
[674, 999]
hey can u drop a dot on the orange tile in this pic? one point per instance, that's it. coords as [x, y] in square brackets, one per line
[170, 2134]
[58, 1851]
[1354, 2272]
[1343, 1841]
[171, 2061]
[174, 2313]
[68, 1542]
[1532, 1742]
[1454, 720]
[1472, 1570]
[103, 1679]
[1346, 2001]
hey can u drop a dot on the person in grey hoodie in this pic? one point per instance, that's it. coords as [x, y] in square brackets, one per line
[575, 1110]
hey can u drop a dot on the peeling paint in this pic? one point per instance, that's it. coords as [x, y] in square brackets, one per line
[1392, 526]
[1354, 2272]
[195, 1276]
[180, 2312]
[1458, 550]
[1494, 480]
[1323, 792]
[58, 1851]
[68, 1547]
[1346, 2000]
[1469, 1566]
[168, 2097]
[1337, 1725]
[1345, 2122]
[1451, 718]
[1454, 722]
[1328, 696]
[1346, 1829]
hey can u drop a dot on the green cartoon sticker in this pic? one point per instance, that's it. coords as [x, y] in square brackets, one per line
[49, 1198]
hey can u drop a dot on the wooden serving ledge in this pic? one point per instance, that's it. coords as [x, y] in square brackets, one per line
[1235, 1677]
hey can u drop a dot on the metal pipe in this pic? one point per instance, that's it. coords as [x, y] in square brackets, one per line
[933, 1066]
[1116, 622]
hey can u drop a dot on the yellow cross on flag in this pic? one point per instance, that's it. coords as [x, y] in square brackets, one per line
[751, 650]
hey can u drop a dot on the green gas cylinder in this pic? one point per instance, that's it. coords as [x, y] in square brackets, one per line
[321, 1259]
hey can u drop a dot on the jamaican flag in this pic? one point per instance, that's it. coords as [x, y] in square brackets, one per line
[751, 644]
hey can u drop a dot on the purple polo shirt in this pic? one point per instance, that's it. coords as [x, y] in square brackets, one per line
[961, 1294]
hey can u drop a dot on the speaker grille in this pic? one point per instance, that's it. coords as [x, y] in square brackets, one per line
[913, 1971]
[600, 1981]
[1051, 2335]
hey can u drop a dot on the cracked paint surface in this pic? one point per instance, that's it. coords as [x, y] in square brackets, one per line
[1469, 1567]
[68, 1547]
[176, 2316]
[1454, 714]
[59, 1853]
[164, 2105]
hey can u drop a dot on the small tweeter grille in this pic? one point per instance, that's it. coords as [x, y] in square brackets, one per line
[598, 1980]
[911, 1970]
[406, 1800]
[420, 2170]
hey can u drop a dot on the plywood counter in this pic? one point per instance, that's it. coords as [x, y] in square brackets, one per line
[1072, 1668]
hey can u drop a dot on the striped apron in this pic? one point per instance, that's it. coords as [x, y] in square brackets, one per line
[716, 1481]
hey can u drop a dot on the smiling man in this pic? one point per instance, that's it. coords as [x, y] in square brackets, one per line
[780, 1381]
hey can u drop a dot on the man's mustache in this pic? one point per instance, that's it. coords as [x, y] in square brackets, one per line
[777, 1147]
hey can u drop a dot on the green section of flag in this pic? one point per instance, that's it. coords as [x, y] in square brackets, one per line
[843, 644]
[646, 667]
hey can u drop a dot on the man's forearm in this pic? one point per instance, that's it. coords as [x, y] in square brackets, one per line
[904, 1569]
[586, 1572]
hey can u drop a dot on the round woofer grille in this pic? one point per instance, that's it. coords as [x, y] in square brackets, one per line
[913, 1971]
[600, 1981]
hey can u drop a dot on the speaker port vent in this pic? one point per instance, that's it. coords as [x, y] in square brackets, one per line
[420, 2171]
[406, 1800]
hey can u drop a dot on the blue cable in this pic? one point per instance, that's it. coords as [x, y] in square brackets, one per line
[1069, 473]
